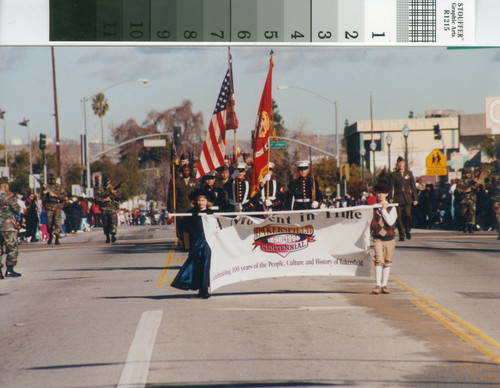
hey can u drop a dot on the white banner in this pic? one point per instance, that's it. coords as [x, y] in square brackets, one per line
[310, 243]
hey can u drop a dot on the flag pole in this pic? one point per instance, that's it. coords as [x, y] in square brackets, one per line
[269, 147]
[230, 111]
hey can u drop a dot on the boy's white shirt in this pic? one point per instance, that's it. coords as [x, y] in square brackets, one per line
[390, 216]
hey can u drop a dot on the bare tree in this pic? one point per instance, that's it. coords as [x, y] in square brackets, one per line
[191, 123]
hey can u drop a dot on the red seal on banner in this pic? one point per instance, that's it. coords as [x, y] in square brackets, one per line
[283, 239]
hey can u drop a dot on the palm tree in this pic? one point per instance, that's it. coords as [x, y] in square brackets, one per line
[491, 147]
[100, 106]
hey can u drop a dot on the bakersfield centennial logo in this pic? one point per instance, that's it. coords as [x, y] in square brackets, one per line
[282, 239]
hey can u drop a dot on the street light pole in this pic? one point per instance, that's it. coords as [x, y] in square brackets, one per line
[362, 152]
[406, 133]
[25, 123]
[86, 148]
[373, 147]
[335, 103]
[388, 140]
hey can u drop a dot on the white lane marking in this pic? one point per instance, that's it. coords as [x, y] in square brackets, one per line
[135, 371]
[311, 308]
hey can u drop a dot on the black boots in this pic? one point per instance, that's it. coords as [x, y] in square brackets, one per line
[469, 228]
[113, 238]
[57, 242]
[203, 293]
[10, 273]
[1, 274]
[107, 239]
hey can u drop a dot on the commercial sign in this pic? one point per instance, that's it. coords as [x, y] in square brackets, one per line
[492, 110]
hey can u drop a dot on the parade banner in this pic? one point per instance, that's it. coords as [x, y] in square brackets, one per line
[326, 242]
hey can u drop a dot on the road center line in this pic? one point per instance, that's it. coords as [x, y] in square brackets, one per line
[452, 317]
[458, 331]
[163, 275]
[135, 371]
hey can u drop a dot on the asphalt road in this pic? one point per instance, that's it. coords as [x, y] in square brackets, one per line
[89, 314]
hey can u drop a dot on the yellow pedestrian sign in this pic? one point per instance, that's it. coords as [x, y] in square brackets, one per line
[435, 163]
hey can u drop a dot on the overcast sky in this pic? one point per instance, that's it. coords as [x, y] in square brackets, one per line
[401, 79]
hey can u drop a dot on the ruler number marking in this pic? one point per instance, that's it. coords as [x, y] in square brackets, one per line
[271, 34]
[244, 34]
[324, 34]
[220, 36]
[188, 34]
[165, 34]
[351, 35]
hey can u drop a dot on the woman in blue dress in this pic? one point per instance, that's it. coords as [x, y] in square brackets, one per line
[195, 273]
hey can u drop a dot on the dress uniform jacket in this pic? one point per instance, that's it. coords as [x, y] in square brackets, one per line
[239, 194]
[403, 188]
[183, 187]
[300, 194]
[272, 191]
[226, 185]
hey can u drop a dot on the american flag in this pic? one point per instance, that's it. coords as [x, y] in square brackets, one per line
[224, 117]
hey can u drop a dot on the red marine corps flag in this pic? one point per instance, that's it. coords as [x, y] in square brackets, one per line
[263, 129]
[223, 118]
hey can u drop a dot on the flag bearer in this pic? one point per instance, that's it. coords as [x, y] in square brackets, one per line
[270, 196]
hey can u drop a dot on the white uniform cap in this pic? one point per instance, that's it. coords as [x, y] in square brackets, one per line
[271, 165]
[303, 164]
[242, 166]
[210, 174]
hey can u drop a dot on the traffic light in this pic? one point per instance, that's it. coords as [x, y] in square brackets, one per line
[176, 131]
[345, 171]
[437, 132]
[97, 179]
[43, 141]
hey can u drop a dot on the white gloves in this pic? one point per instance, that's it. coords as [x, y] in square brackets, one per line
[315, 204]
[266, 178]
[269, 202]
[235, 174]
[238, 207]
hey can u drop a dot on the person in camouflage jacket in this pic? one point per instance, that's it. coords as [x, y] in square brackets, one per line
[494, 190]
[106, 197]
[8, 232]
[53, 199]
[467, 191]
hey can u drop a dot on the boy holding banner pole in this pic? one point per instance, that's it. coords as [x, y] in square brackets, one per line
[382, 230]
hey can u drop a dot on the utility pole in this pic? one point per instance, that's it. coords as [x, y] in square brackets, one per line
[56, 115]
